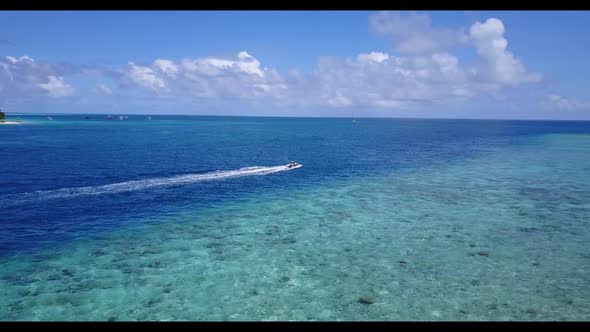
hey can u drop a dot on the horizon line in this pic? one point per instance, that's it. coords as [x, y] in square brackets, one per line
[295, 117]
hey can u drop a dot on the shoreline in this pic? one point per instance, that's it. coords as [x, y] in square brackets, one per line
[11, 122]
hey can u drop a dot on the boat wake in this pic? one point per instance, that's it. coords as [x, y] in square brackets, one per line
[136, 185]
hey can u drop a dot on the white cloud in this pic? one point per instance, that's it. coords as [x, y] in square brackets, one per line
[558, 102]
[23, 58]
[146, 77]
[167, 67]
[56, 87]
[211, 66]
[210, 77]
[491, 46]
[425, 72]
[378, 79]
[243, 55]
[384, 81]
[413, 34]
[373, 56]
[25, 77]
[375, 79]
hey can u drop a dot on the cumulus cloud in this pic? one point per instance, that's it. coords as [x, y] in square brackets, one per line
[374, 79]
[421, 71]
[413, 34]
[245, 64]
[210, 77]
[146, 77]
[24, 77]
[491, 46]
[373, 56]
[167, 67]
[382, 80]
[56, 87]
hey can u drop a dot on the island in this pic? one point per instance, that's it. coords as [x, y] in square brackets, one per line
[3, 119]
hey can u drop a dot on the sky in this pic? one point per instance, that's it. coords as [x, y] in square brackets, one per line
[439, 64]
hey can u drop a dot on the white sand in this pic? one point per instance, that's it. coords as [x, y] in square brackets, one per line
[10, 122]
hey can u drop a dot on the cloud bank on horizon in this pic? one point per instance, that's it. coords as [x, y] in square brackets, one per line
[420, 70]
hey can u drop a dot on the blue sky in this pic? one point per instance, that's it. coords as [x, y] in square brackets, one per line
[468, 64]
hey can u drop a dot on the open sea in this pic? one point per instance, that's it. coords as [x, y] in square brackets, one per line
[197, 218]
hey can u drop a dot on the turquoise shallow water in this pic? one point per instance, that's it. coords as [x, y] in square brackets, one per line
[497, 235]
[483, 228]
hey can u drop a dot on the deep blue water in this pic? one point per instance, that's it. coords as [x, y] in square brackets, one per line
[73, 152]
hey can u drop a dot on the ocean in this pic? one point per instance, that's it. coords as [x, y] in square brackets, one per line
[196, 218]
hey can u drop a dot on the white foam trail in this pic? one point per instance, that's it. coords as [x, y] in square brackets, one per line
[141, 184]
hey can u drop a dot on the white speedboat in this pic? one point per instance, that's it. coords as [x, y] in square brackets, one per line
[293, 164]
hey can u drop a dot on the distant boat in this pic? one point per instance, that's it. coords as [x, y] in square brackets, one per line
[49, 118]
[110, 118]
